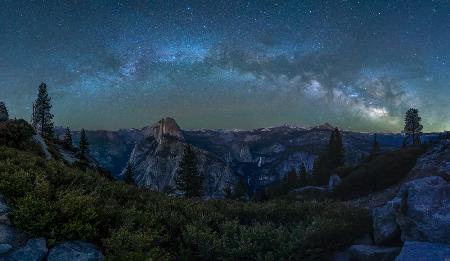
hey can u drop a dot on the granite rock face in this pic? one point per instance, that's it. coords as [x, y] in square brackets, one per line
[421, 211]
[75, 250]
[425, 251]
[166, 127]
[34, 250]
[156, 166]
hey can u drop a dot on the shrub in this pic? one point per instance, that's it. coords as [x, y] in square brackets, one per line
[63, 203]
[15, 133]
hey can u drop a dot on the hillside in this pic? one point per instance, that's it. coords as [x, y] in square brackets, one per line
[58, 203]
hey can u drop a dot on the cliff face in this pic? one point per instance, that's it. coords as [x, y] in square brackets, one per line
[156, 160]
[166, 127]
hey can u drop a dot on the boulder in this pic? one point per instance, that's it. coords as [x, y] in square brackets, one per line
[75, 250]
[334, 181]
[385, 228]
[420, 211]
[425, 251]
[4, 248]
[373, 253]
[4, 209]
[423, 210]
[34, 250]
[7, 234]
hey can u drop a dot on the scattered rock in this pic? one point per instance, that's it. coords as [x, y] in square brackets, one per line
[373, 253]
[385, 227]
[34, 250]
[424, 251]
[75, 250]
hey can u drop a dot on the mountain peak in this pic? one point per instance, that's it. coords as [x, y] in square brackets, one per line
[325, 126]
[167, 127]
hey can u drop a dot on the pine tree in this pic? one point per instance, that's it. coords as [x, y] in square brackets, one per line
[336, 149]
[375, 145]
[68, 142]
[303, 175]
[129, 174]
[42, 118]
[291, 179]
[412, 125]
[84, 144]
[189, 181]
[4, 116]
[329, 160]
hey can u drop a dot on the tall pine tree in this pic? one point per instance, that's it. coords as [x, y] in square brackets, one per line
[412, 125]
[303, 177]
[84, 144]
[68, 142]
[4, 116]
[330, 159]
[129, 174]
[42, 117]
[189, 181]
[375, 145]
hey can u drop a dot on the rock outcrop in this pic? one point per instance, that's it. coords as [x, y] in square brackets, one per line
[166, 127]
[17, 246]
[413, 250]
[421, 211]
[34, 250]
[156, 159]
[75, 250]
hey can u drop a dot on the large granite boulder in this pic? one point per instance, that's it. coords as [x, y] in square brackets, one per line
[421, 211]
[425, 251]
[373, 253]
[385, 228]
[75, 250]
[34, 250]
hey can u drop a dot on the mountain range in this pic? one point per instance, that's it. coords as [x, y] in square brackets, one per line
[260, 156]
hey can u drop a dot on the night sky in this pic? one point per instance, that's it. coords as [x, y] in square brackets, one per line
[228, 64]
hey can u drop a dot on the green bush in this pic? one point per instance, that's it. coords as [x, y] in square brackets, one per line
[16, 133]
[53, 200]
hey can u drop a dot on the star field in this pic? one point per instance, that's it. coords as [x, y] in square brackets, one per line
[228, 64]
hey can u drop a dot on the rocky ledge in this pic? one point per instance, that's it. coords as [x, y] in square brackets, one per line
[417, 220]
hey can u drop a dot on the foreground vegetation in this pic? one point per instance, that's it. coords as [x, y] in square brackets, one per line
[59, 202]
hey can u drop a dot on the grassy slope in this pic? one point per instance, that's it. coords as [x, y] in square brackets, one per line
[59, 202]
[378, 172]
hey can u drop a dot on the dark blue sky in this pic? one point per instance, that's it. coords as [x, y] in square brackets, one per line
[228, 64]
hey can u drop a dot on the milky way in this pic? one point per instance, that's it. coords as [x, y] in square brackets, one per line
[228, 64]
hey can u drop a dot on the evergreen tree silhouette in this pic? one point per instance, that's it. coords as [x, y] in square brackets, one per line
[42, 118]
[84, 144]
[189, 181]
